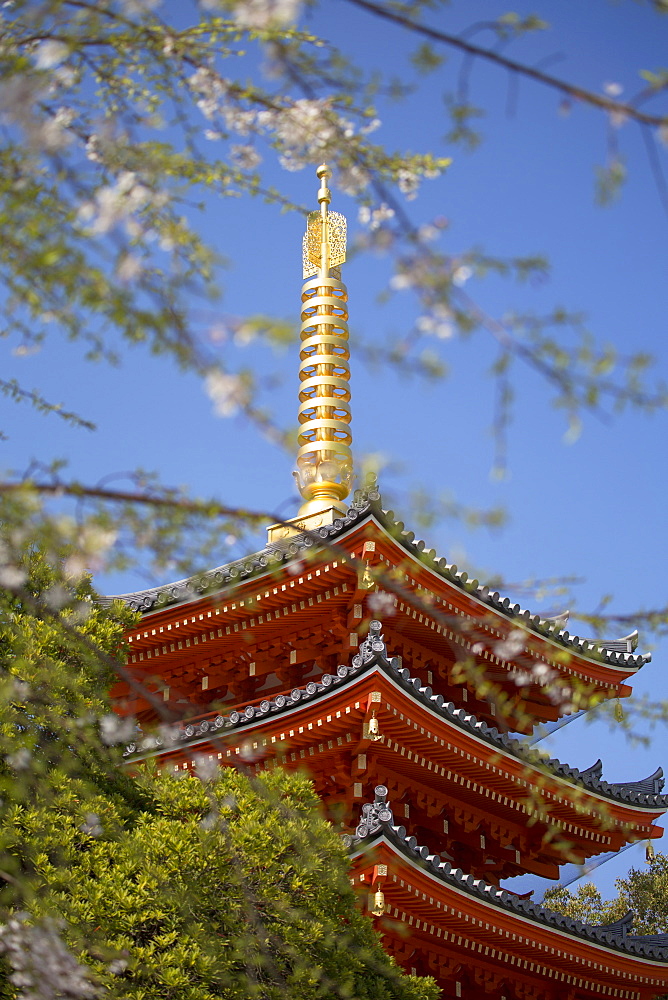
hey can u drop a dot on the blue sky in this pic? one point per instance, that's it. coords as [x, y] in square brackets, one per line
[593, 508]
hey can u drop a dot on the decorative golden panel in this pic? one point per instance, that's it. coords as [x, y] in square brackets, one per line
[312, 243]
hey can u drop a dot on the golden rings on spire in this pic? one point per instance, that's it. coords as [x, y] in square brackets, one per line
[324, 461]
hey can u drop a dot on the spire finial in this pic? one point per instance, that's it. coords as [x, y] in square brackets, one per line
[324, 461]
[324, 173]
[325, 238]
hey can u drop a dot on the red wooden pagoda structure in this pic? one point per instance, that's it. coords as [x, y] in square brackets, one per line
[280, 658]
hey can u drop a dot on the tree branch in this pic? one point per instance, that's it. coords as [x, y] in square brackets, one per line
[599, 101]
[174, 502]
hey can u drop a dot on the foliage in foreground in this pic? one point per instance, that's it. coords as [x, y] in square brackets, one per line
[236, 889]
[643, 890]
[222, 886]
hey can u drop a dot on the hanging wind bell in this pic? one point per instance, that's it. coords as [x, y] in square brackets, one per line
[373, 729]
[365, 578]
[378, 903]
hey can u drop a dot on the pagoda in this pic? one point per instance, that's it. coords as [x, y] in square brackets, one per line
[348, 649]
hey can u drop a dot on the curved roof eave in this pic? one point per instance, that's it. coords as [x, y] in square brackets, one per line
[643, 794]
[368, 504]
[378, 825]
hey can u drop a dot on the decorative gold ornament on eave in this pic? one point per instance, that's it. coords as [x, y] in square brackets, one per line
[324, 461]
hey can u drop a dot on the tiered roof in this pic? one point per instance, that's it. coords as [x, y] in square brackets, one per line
[440, 614]
[645, 793]
[478, 938]
[458, 774]
[616, 653]
[450, 915]
[377, 823]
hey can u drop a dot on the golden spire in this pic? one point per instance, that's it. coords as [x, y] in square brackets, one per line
[324, 461]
